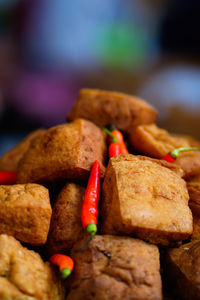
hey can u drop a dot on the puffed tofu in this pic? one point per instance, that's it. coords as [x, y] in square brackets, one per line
[66, 152]
[23, 274]
[25, 212]
[156, 142]
[115, 268]
[105, 107]
[9, 160]
[183, 271]
[66, 227]
[144, 198]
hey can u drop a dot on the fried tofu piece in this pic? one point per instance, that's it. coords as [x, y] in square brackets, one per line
[23, 274]
[25, 212]
[183, 270]
[66, 227]
[105, 107]
[156, 142]
[9, 161]
[144, 198]
[64, 152]
[115, 268]
[194, 203]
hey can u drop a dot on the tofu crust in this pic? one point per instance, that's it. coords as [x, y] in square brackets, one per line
[66, 227]
[106, 107]
[9, 161]
[23, 274]
[143, 198]
[156, 142]
[115, 268]
[182, 270]
[66, 152]
[25, 212]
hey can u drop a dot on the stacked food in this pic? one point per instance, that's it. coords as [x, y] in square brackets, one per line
[146, 181]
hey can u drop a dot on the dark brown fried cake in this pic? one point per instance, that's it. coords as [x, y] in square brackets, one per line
[116, 268]
[183, 270]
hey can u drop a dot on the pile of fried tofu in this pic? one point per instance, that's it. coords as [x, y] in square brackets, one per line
[149, 209]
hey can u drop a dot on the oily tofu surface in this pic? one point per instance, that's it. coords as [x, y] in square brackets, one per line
[194, 203]
[66, 227]
[25, 212]
[115, 268]
[64, 152]
[143, 198]
[9, 161]
[23, 274]
[156, 142]
[182, 270]
[105, 107]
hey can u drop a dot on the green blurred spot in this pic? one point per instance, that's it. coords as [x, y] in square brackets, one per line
[121, 46]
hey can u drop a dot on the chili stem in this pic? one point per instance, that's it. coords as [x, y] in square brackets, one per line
[174, 153]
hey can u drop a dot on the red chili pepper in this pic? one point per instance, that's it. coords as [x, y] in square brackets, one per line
[89, 210]
[172, 155]
[114, 149]
[64, 262]
[118, 135]
[8, 177]
[116, 140]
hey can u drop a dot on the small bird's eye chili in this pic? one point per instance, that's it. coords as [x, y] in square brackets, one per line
[119, 136]
[8, 177]
[89, 210]
[114, 149]
[116, 142]
[172, 155]
[64, 262]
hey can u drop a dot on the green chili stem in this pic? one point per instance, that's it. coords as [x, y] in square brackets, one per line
[108, 132]
[174, 153]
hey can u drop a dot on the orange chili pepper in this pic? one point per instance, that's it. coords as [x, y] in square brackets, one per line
[8, 177]
[64, 262]
[89, 210]
[116, 133]
[172, 155]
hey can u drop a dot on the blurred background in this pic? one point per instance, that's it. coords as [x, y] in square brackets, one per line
[49, 49]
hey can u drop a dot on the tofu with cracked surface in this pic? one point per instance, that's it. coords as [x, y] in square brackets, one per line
[24, 275]
[144, 198]
[115, 268]
[65, 151]
[156, 142]
[66, 227]
[183, 270]
[9, 161]
[25, 212]
[106, 107]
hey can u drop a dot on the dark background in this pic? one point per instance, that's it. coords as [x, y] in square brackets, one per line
[49, 49]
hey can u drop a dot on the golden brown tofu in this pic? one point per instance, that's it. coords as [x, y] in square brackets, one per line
[156, 142]
[9, 161]
[66, 227]
[183, 270]
[25, 212]
[23, 274]
[105, 107]
[116, 268]
[144, 198]
[64, 152]
[194, 203]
